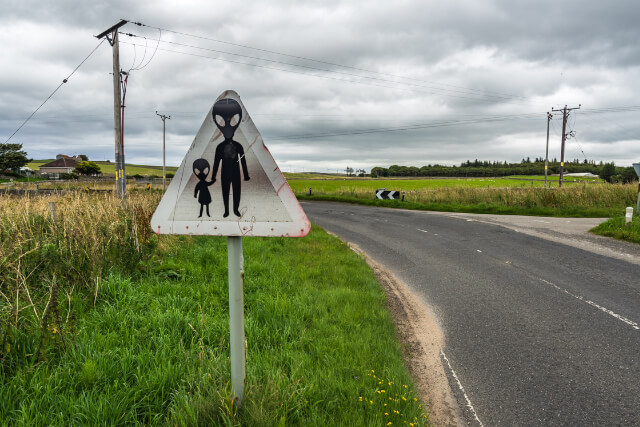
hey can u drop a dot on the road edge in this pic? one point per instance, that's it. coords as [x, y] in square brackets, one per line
[422, 339]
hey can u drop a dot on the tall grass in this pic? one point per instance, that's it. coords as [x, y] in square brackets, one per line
[51, 265]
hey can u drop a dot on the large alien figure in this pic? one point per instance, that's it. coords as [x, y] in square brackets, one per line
[227, 115]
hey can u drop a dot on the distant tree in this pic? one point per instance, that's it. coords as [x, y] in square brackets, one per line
[378, 171]
[12, 157]
[608, 171]
[87, 168]
[629, 175]
[83, 157]
[69, 176]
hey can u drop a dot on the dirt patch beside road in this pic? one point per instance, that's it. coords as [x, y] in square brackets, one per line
[422, 339]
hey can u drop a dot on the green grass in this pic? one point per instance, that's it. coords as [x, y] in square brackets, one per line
[340, 185]
[154, 350]
[482, 208]
[515, 195]
[616, 228]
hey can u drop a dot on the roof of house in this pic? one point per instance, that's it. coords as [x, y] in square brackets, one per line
[63, 162]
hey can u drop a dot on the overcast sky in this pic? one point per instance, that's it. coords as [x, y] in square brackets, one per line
[329, 84]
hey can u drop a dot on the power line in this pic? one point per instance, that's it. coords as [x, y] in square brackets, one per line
[313, 75]
[465, 92]
[140, 67]
[54, 92]
[404, 128]
[319, 61]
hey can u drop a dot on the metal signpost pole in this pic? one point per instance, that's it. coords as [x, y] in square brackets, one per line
[164, 156]
[236, 316]
[636, 167]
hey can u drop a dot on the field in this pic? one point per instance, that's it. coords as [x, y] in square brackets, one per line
[333, 185]
[109, 168]
[516, 196]
[104, 323]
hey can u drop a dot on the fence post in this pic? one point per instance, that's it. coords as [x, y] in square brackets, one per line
[52, 212]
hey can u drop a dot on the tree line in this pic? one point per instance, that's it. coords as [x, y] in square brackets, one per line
[483, 168]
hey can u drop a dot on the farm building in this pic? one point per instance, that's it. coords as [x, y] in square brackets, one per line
[62, 164]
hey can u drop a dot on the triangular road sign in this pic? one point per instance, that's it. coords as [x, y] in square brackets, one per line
[228, 183]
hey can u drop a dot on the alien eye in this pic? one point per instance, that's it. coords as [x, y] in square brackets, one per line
[234, 120]
[220, 120]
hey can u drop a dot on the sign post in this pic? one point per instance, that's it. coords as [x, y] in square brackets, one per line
[236, 315]
[636, 167]
[229, 185]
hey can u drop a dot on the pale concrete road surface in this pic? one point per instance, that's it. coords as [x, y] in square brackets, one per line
[540, 319]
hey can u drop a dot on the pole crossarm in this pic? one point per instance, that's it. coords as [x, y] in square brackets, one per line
[111, 30]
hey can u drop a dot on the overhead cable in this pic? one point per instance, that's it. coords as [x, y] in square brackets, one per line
[55, 90]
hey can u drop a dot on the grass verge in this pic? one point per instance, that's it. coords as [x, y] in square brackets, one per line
[478, 207]
[616, 228]
[149, 345]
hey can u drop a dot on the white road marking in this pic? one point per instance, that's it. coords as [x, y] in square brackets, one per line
[469, 405]
[424, 231]
[631, 323]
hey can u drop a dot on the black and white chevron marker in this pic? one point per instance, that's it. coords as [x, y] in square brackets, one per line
[384, 194]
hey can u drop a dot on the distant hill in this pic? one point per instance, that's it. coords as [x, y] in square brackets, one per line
[108, 168]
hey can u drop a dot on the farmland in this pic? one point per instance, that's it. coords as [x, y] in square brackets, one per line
[515, 195]
[108, 168]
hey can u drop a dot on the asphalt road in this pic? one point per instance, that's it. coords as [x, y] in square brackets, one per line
[537, 332]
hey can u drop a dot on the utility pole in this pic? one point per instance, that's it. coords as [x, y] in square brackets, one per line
[546, 157]
[164, 167]
[565, 116]
[121, 180]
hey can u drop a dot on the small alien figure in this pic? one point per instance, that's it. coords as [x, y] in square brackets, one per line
[201, 170]
[227, 115]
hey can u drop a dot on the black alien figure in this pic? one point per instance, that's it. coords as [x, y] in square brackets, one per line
[227, 115]
[201, 170]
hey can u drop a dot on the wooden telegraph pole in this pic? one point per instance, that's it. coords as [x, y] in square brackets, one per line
[546, 157]
[565, 114]
[112, 36]
[164, 163]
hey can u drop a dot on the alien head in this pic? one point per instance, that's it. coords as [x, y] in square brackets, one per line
[227, 114]
[201, 168]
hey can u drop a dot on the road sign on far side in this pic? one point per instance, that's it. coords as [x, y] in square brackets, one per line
[228, 183]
